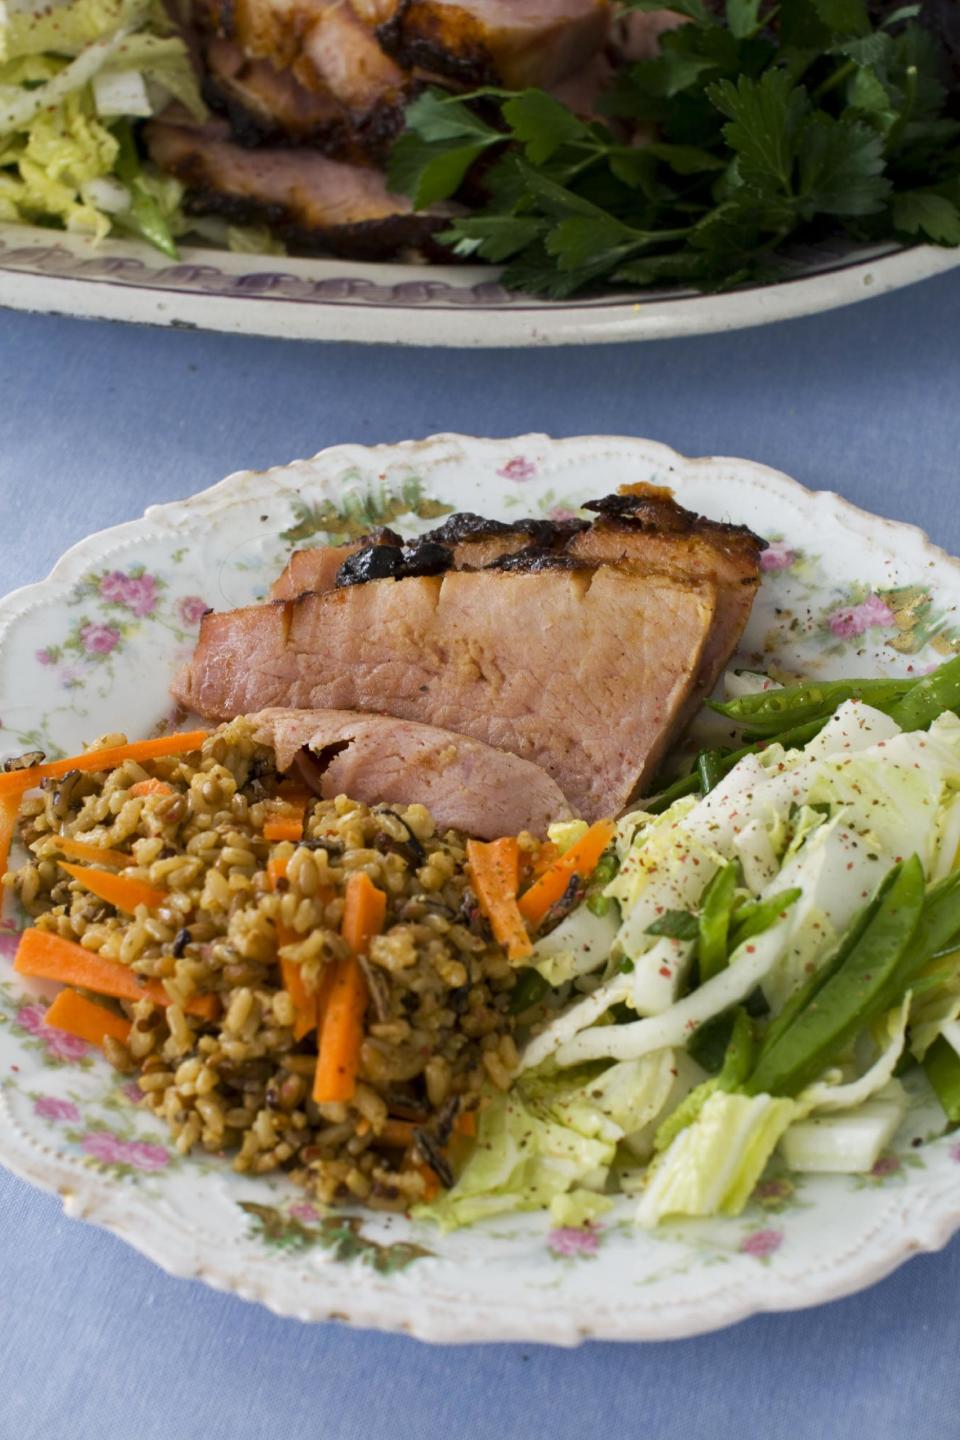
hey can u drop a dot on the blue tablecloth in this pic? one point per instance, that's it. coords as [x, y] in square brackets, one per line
[95, 422]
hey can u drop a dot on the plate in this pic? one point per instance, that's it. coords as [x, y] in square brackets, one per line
[454, 305]
[91, 649]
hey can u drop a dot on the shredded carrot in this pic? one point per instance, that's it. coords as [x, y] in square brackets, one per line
[151, 787]
[398, 1133]
[9, 810]
[581, 859]
[548, 853]
[495, 871]
[364, 910]
[431, 1182]
[341, 1020]
[49, 957]
[304, 1004]
[93, 854]
[106, 759]
[118, 890]
[467, 1124]
[285, 827]
[81, 1017]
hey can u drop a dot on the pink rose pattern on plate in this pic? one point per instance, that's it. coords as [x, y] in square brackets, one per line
[761, 1243]
[59, 1045]
[49, 1108]
[571, 1242]
[851, 621]
[109, 1149]
[519, 469]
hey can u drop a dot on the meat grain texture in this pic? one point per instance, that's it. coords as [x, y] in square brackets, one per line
[581, 671]
[378, 759]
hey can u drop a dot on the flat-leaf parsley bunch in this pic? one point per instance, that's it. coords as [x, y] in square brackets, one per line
[757, 124]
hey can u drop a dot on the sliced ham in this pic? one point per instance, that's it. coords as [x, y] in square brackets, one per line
[318, 203]
[507, 42]
[466, 785]
[644, 526]
[317, 568]
[310, 71]
[473, 542]
[583, 671]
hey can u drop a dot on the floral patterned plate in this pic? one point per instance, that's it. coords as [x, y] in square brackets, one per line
[92, 648]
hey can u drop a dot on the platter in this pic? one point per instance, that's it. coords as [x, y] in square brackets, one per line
[459, 306]
[91, 650]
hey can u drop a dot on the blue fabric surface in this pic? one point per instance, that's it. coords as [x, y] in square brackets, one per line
[96, 421]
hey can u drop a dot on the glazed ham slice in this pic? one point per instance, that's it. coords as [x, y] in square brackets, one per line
[473, 543]
[308, 70]
[318, 203]
[644, 526]
[465, 784]
[583, 671]
[507, 42]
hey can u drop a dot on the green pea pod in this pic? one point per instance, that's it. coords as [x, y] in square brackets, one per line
[738, 1060]
[929, 697]
[690, 784]
[808, 991]
[851, 997]
[942, 1067]
[529, 990]
[938, 929]
[757, 916]
[770, 711]
[714, 921]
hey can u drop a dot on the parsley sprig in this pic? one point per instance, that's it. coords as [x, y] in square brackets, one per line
[759, 125]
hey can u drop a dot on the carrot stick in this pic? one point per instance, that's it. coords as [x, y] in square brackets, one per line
[304, 1004]
[151, 787]
[94, 854]
[106, 759]
[119, 891]
[9, 810]
[495, 871]
[49, 957]
[581, 859]
[93, 1023]
[285, 827]
[341, 1023]
[364, 910]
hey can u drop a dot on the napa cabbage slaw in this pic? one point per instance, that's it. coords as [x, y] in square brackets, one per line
[767, 960]
[75, 77]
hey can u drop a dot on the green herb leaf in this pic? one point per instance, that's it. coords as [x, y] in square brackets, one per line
[924, 212]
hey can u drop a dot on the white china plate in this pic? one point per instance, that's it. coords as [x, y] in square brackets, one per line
[452, 305]
[91, 650]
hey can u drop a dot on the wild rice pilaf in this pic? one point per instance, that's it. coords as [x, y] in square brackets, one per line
[438, 1023]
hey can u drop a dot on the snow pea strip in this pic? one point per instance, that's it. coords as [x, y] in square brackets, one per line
[938, 928]
[769, 711]
[809, 990]
[690, 784]
[710, 769]
[529, 990]
[757, 916]
[929, 697]
[714, 921]
[942, 1067]
[851, 997]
